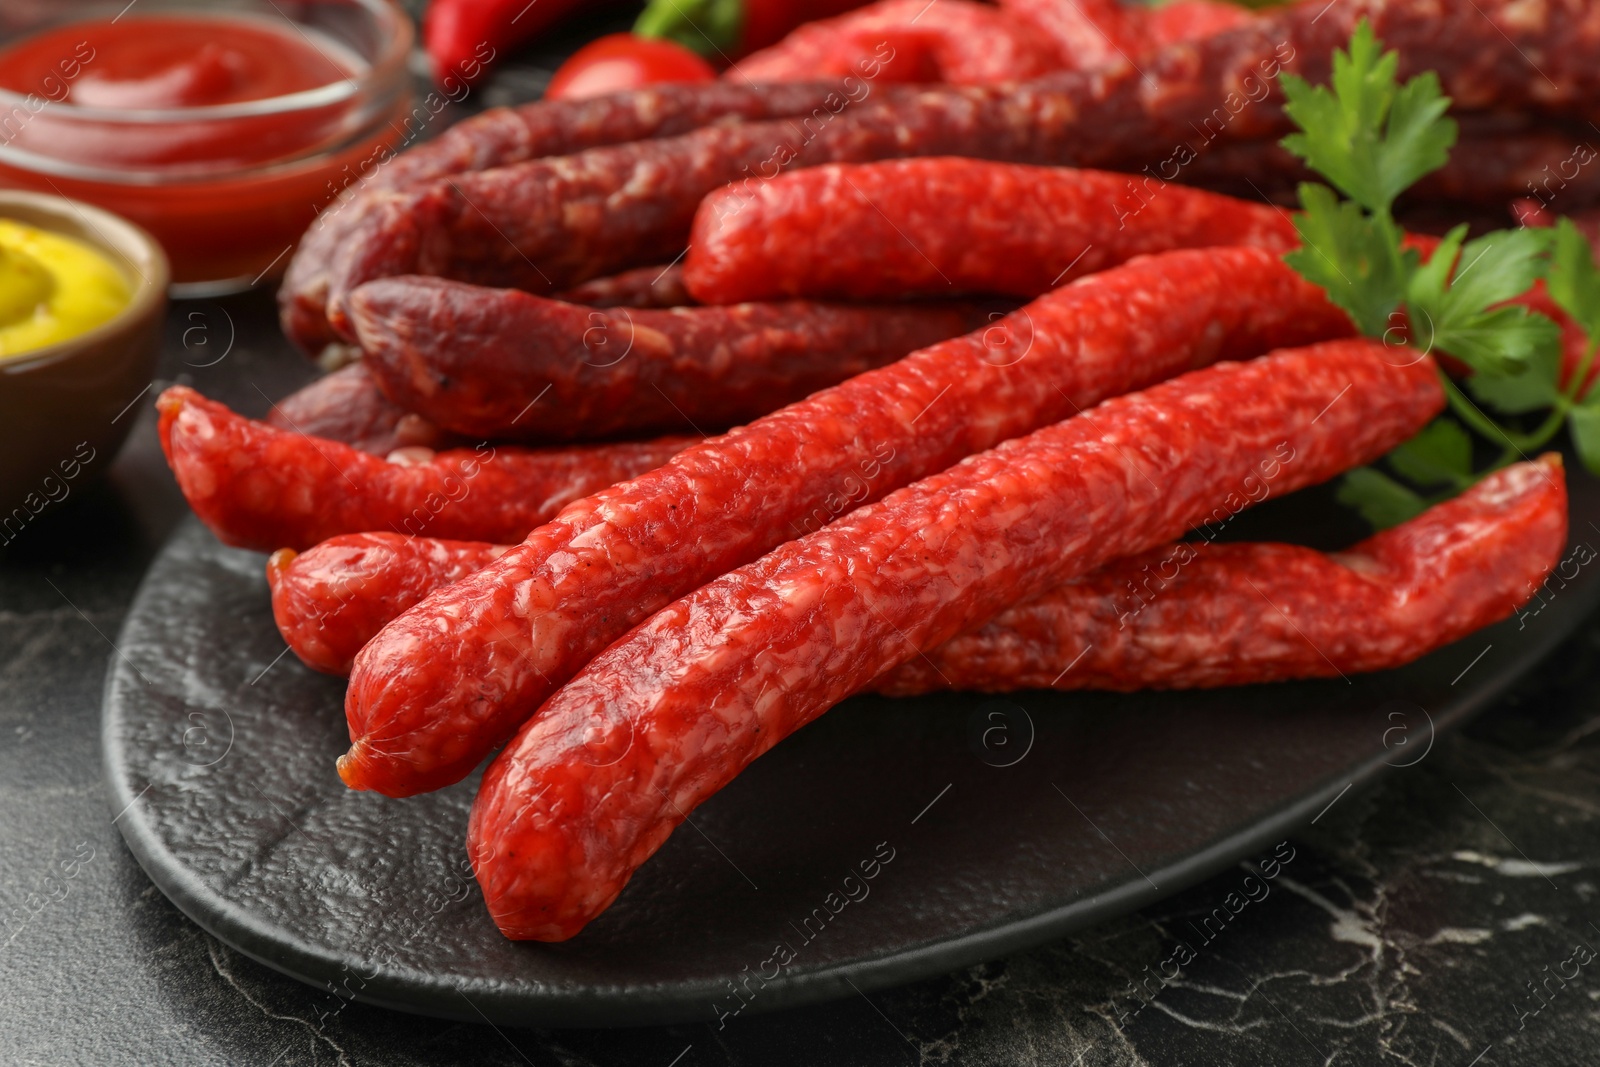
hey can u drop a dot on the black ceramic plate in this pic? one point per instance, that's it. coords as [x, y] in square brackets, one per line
[989, 824]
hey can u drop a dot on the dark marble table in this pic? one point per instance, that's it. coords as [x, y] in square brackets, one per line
[1446, 917]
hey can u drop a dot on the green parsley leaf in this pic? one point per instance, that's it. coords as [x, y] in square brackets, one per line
[1380, 499]
[1498, 266]
[1355, 257]
[1461, 319]
[1573, 280]
[1367, 136]
[1529, 386]
[1371, 138]
[1429, 281]
[1440, 455]
[1502, 341]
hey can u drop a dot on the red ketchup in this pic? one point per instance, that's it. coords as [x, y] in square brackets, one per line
[222, 135]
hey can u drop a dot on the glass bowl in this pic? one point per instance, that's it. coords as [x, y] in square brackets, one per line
[226, 189]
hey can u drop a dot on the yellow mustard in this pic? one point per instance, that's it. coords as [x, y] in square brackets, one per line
[52, 288]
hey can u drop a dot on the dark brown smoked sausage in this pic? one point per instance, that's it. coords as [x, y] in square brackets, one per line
[549, 224]
[502, 136]
[642, 287]
[347, 406]
[504, 364]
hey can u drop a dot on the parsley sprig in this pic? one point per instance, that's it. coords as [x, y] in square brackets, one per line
[1371, 138]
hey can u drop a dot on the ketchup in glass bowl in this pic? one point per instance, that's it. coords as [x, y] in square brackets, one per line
[220, 126]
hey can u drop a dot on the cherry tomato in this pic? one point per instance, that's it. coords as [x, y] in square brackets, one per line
[622, 61]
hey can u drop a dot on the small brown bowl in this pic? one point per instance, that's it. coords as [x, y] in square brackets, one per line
[66, 409]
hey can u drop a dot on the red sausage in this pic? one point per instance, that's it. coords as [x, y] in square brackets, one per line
[501, 363]
[1092, 34]
[886, 230]
[347, 406]
[954, 41]
[259, 487]
[331, 599]
[1193, 614]
[1087, 34]
[501, 136]
[1188, 615]
[677, 708]
[642, 287]
[1190, 20]
[509, 634]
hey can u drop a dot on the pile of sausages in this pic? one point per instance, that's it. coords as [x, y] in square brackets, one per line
[941, 417]
[550, 195]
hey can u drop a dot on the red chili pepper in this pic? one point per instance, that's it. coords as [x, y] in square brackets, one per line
[728, 29]
[465, 37]
[622, 61]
